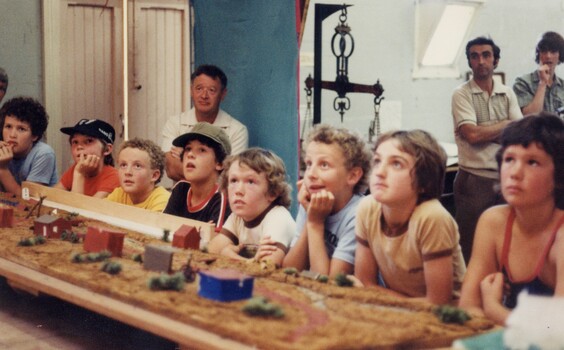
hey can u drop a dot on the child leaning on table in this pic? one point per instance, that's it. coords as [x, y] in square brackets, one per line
[259, 196]
[520, 245]
[23, 156]
[199, 196]
[92, 173]
[337, 165]
[403, 232]
[140, 166]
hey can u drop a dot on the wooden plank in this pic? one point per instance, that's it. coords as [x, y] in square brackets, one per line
[145, 217]
[182, 333]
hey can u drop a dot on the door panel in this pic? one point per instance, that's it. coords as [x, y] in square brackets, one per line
[159, 65]
[91, 64]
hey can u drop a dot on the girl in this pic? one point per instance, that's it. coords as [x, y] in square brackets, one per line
[519, 245]
[403, 232]
[92, 173]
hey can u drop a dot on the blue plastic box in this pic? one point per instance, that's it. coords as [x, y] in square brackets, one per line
[225, 285]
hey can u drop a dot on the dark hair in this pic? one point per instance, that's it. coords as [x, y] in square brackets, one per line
[482, 40]
[220, 154]
[26, 109]
[545, 130]
[550, 41]
[212, 72]
[430, 161]
[263, 161]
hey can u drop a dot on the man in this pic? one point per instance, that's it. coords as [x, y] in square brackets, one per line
[542, 89]
[481, 109]
[208, 87]
[3, 83]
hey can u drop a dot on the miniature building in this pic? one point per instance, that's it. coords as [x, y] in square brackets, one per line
[98, 239]
[186, 237]
[6, 216]
[157, 258]
[225, 285]
[50, 226]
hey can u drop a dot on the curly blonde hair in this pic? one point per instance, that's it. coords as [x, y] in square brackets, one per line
[355, 150]
[263, 161]
[156, 154]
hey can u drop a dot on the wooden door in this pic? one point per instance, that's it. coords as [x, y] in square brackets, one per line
[159, 64]
[92, 66]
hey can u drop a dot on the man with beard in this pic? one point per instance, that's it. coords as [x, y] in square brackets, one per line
[481, 109]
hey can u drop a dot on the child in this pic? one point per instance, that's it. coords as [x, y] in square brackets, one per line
[92, 173]
[199, 197]
[259, 197]
[23, 157]
[337, 165]
[519, 245]
[404, 234]
[140, 168]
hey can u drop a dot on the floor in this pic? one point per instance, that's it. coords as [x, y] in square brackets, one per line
[46, 323]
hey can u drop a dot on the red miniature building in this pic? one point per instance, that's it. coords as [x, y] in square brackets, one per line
[6, 216]
[50, 226]
[99, 238]
[186, 237]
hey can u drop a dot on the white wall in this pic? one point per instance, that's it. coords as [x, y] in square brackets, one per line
[384, 47]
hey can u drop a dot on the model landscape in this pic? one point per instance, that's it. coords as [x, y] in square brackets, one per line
[305, 312]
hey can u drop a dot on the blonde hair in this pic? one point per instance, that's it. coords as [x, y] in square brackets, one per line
[355, 150]
[156, 154]
[263, 161]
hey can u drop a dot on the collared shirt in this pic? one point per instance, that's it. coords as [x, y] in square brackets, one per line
[526, 86]
[472, 105]
[184, 122]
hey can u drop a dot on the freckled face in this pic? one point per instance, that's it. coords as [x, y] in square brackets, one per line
[135, 173]
[248, 191]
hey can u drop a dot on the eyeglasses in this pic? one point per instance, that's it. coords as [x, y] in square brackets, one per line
[200, 90]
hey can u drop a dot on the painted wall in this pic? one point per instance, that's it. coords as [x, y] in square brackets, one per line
[384, 48]
[21, 47]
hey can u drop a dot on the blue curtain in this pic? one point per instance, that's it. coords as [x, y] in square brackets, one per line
[255, 43]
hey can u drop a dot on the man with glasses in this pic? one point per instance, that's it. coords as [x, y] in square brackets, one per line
[481, 109]
[208, 87]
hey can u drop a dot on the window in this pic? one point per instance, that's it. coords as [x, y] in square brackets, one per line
[441, 29]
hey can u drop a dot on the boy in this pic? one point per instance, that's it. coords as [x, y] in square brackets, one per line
[140, 168]
[259, 196]
[23, 157]
[404, 234]
[92, 173]
[337, 166]
[199, 196]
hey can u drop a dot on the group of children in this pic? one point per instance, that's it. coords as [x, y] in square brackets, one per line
[398, 238]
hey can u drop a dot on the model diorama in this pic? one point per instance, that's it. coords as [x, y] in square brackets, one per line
[296, 311]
